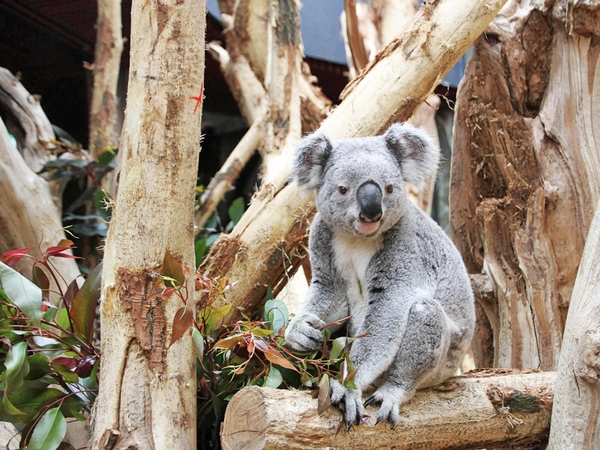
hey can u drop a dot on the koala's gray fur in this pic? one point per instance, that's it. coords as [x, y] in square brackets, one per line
[377, 257]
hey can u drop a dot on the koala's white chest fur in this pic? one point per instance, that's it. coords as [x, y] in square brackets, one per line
[352, 257]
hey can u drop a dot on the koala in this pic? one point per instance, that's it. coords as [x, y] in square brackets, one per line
[379, 259]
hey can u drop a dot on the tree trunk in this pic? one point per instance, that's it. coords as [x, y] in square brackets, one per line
[576, 418]
[479, 411]
[147, 395]
[261, 250]
[30, 212]
[524, 170]
[107, 62]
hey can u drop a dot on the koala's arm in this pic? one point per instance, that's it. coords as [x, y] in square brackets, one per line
[325, 301]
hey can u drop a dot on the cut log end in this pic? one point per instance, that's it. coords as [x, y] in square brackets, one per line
[246, 426]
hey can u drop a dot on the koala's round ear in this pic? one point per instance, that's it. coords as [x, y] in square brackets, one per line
[310, 158]
[416, 152]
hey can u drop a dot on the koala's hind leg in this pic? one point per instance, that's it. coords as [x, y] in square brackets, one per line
[423, 352]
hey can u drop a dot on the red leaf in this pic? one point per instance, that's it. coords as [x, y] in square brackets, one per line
[64, 245]
[173, 269]
[181, 323]
[71, 293]
[85, 366]
[69, 363]
[11, 257]
[324, 394]
[83, 307]
[40, 278]
[277, 358]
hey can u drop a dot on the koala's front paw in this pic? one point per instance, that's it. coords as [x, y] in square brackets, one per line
[303, 332]
[349, 400]
[390, 398]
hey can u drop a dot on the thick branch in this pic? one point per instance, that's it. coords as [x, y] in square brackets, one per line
[465, 412]
[26, 120]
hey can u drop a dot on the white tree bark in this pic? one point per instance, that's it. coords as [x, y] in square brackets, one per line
[494, 411]
[30, 214]
[575, 416]
[147, 395]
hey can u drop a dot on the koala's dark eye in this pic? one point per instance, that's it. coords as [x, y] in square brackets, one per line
[389, 188]
[342, 190]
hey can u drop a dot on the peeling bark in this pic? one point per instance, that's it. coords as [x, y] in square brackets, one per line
[576, 416]
[521, 181]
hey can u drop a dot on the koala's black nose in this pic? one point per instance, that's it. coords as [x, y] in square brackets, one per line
[369, 199]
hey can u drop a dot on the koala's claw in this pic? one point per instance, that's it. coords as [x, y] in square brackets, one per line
[370, 401]
[389, 410]
[349, 401]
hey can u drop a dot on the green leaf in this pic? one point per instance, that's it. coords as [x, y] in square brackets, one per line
[23, 293]
[198, 341]
[274, 379]
[17, 367]
[29, 399]
[106, 157]
[337, 348]
[49, 431]
[62, 318]
[200, 250]
[276, 315]
[83, 309]
[213, 315]
[236, 210]
[38, 366]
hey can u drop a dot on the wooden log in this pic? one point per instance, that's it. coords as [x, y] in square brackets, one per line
[262, 251]
[485, 409]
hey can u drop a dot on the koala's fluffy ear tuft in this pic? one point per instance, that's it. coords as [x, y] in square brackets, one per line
[311, 156]
[416, 152]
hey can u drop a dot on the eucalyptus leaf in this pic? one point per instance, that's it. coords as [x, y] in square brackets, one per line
[276, 315]
[274, 379]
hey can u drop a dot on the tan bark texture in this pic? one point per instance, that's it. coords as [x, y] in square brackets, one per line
[575, 416]
[107, 62]
[147, 395]
[524, 170]
[30, 213]
[262, 250]
[474, 412]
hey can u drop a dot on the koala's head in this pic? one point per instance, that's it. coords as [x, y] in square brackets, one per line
[360, 181]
